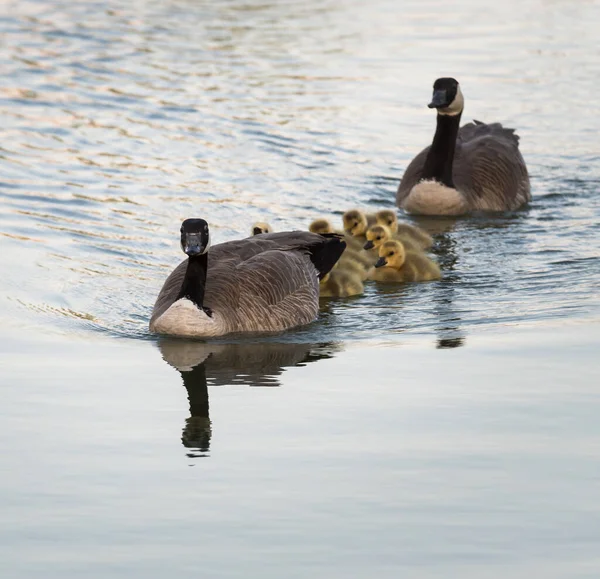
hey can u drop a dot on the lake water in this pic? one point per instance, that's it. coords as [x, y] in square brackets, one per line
[441, 429]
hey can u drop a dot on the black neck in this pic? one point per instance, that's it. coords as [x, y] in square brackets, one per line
[195, 384]
[194, 282]
[438, 165]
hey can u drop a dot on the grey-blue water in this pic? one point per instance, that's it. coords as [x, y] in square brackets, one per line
[425, 430]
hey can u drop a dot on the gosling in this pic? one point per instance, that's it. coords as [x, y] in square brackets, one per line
[339, 283]
[356, 222]
[377, 235]
[261, 227]
[395, 264]
[389, 218]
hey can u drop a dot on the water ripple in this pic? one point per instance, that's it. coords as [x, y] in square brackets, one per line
[119, 121]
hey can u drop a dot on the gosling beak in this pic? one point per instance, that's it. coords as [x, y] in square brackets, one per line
[380, 262]
[256, 231]
[193, 244]
[438, 100]
[369, 245]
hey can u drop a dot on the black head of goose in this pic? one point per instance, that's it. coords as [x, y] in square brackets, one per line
[477, 167]
[263, 283]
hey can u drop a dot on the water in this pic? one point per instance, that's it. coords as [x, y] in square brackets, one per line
[442, 428]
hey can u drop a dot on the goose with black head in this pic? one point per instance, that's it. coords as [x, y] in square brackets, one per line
[477, 167]
[264, 283]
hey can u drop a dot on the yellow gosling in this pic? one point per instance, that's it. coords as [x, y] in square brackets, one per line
[353, 246]
[389, 218]
[356, 222]
[395, 264]
[377, 235]
[321, 226]
[261, 227]
[340, 284]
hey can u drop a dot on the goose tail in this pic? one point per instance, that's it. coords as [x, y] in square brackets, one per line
[325, 254]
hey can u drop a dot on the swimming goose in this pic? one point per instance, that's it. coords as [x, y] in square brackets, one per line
[389, 218]
[478, 167]
[340, 283]
[377, 235]
[263, 283]
[261, 227]
[395, 264]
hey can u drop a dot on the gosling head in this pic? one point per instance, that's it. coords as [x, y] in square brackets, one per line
[320, 226]
[261, 227]
[376, 236]
[391, 254]
[447, 97]
[355, 222]
[387, 217]
[195, 237]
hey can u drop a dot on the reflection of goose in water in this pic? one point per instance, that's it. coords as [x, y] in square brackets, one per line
[449, 325]
[198, 429]
[254, 364]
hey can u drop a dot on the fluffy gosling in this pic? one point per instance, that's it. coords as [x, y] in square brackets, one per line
[395, 264]
[339, 283]
[389, 218]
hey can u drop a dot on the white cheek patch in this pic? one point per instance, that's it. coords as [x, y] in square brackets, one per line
[456, 106]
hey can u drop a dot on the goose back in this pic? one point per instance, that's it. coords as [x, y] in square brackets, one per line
[488, 170]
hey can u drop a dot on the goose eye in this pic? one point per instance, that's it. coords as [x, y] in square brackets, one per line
[378, 237]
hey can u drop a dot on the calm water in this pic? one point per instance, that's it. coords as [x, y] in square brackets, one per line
[439, 429]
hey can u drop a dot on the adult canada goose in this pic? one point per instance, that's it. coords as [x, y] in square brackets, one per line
[395, 264]
[478, 167]
[377, 235]
[263, 283]
[261, 227]
[341, 283]
[389, 218]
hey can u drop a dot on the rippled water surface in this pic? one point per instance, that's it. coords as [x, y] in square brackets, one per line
[378, 455]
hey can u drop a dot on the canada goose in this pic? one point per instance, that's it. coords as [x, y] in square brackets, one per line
[263, 283]
[377, 235]
[356, 222]
[389, 218]
[340, 283]
[478, 167]
[396, 264]
[261, 227]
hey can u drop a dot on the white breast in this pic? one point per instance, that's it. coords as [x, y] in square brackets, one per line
[184, 319]
[433, 198]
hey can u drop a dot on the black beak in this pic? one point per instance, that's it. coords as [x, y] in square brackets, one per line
[193, 244]
[369, 245]
[256, 231]
[438, 100]
[380, 262]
